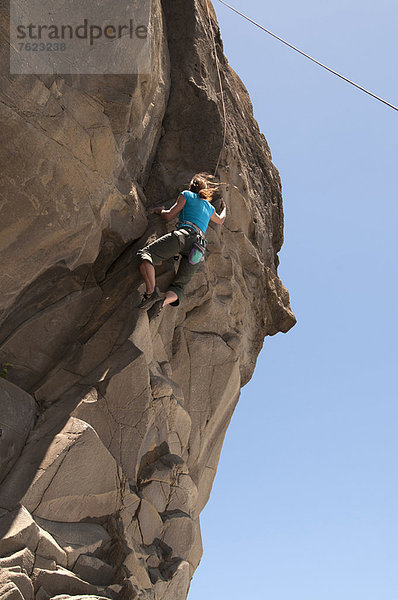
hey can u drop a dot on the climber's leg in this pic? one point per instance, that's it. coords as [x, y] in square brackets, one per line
[170, 298]
[176, 290]
[158, 306]
[183, 277]
[147, 270]
[162, 249]
[155, 253]
[152, 291]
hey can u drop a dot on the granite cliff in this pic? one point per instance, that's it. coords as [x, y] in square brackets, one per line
[111, 425]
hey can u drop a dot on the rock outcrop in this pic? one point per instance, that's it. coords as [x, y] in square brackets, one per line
[111, 425]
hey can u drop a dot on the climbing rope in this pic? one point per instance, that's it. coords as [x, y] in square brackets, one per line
[308, 56]
[221, 86]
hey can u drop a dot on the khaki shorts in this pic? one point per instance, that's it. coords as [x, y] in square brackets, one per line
[167, 246]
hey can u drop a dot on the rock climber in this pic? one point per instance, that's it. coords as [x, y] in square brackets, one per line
[195, 211]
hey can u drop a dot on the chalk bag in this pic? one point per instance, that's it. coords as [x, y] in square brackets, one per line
[196, 254]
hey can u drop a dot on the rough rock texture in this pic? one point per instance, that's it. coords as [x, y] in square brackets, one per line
[17, 416]
[111, 426]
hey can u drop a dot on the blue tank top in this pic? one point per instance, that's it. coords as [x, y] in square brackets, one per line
[196, 210]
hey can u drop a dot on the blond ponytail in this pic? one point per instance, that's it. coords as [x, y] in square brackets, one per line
[199, 185]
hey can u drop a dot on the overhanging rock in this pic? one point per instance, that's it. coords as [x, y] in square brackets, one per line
[112, 425]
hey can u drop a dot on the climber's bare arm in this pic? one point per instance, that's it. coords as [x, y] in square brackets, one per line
[220, 218]
[171, 213]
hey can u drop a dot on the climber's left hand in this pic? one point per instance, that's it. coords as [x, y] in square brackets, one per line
[157, 210]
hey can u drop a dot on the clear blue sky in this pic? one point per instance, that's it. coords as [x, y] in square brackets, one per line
[305, 501]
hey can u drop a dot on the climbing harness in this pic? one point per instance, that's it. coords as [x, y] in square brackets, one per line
[307, 55]
[193, 226]
[198, 250]
[221, 87]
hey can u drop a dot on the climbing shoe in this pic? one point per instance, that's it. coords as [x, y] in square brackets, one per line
[148, 300]
[156, 309]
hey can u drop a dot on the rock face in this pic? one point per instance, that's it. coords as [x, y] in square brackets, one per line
[111, 425]
[17, 415]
